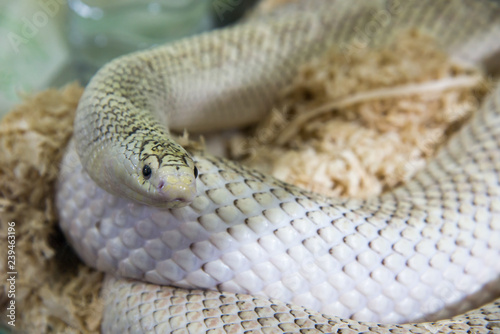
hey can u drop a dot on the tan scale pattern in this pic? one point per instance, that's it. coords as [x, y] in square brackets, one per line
[136, 307]
[426, 250]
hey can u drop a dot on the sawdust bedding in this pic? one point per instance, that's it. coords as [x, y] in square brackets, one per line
[352, 129]
[359, 125]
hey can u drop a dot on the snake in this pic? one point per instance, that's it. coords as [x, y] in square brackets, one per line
[194, 243]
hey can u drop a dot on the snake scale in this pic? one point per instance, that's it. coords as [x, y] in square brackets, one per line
[199, 244]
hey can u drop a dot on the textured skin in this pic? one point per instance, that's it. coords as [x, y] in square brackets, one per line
[113, 123]
[131, 306]
[426, 250]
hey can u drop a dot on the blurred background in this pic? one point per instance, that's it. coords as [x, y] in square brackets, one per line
[48, 43]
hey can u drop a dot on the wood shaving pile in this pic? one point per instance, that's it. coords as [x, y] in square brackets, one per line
[54, 291]
[359, 125]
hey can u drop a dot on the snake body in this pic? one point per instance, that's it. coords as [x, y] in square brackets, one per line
[426, 250]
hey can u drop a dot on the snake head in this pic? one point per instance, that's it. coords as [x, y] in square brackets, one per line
[161, 174]
[169, 181]
[155, 177]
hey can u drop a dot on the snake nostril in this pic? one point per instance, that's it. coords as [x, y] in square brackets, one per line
[161, 185]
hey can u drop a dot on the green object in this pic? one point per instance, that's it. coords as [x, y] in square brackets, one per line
[33, 53]
[100, 30]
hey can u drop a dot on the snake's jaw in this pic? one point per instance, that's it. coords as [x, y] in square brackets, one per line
[176, 190]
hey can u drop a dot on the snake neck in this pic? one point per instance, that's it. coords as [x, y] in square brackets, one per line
[123, 147]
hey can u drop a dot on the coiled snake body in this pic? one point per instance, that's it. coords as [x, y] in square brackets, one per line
[427, 250]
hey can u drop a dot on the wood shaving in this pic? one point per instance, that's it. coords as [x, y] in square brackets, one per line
[357, 127]
[55, 292]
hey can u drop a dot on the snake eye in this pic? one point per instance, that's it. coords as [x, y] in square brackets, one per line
[195, 172]
[146, 172]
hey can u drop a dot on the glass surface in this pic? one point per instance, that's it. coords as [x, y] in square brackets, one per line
[102, 30]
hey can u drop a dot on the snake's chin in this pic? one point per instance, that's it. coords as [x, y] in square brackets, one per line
[166, 203]
[169, 202]
[178, 203]
[173, 196]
